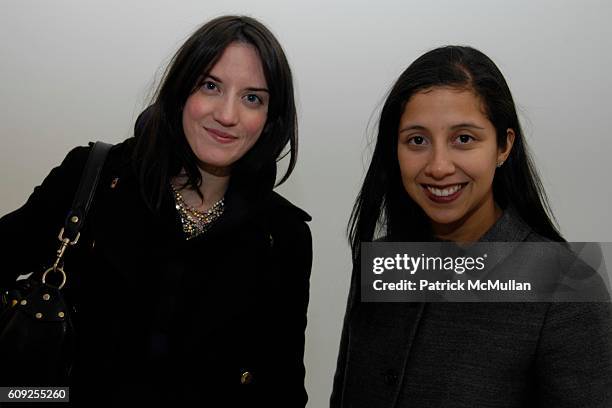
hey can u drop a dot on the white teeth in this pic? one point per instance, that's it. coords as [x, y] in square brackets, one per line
[446, 192]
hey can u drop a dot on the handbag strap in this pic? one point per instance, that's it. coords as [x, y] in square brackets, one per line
[69, 235]
[86, 190]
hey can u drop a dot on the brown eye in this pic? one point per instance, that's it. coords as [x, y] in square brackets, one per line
[417, 140]
[209, 86]
[463, 139]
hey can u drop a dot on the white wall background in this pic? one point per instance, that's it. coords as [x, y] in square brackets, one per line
[75, 71]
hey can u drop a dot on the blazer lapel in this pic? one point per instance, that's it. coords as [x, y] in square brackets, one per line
[380, 340]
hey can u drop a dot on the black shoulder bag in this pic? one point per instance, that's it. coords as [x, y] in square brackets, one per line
[37, 337]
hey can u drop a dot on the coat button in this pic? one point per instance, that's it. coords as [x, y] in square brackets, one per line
[391, 377]
[246, 378]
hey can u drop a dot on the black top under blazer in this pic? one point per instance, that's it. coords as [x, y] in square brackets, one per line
[455, 355]
[218, 320]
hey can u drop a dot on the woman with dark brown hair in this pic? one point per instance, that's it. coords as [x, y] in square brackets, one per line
[451, 165]
[190, 280]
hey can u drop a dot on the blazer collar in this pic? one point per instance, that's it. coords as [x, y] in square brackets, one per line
[510, 227]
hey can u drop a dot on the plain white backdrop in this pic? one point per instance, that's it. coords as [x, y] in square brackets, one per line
[77, 71]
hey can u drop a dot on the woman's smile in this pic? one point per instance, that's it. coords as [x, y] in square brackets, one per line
[443, 194]
[220, 136]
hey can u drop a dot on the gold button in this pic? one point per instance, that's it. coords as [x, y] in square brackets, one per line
[74, 219]
[38, 315]
[24, 302]
[61, 314]
[246, 378]
[46, 296]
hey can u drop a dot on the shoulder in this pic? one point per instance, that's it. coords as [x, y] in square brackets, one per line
[577, 268]
[288, 222]
[281, 208]
[60, 185]
[76, 159]
[532, 236]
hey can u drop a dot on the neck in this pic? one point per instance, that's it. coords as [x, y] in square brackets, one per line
[213, 187]
[472, 226]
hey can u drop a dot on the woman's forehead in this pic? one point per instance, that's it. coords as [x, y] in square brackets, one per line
[239, 63]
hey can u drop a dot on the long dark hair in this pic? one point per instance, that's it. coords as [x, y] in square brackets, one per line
[383, 206]
[161, 149]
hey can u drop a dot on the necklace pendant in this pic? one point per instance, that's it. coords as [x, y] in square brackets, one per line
[196, 222]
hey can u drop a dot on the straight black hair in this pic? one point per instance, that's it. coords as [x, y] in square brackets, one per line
[161, 149]
[384, 207]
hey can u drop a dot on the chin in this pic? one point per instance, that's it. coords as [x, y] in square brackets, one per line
[444, 216]
[207, 159]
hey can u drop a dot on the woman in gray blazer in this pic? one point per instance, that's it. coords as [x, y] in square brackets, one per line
[450, 164]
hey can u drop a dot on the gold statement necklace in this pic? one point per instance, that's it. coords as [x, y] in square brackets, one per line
[196, 222]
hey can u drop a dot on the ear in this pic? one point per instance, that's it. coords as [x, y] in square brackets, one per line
[502, 155]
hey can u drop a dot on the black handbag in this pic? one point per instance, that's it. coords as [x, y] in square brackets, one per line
[37, 338]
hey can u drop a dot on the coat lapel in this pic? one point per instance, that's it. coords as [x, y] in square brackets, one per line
[380, 339]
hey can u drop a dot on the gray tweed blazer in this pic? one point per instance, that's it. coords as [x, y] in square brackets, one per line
[475, 354]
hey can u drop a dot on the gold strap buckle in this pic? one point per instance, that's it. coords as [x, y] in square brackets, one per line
[60, 254]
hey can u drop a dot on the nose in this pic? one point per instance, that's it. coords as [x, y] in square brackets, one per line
[440, 164]
[226, 112]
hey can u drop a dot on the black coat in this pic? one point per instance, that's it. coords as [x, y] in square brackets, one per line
[455, 355]
[161, 319]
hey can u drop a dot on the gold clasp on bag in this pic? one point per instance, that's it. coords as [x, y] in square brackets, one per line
[64, 245]
[58, 270]
[60, 254]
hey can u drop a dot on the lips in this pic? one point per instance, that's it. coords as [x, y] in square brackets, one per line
[220, 136]
[443, 194]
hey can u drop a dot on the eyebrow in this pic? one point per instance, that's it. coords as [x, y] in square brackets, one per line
[252, 89]
[466, 125]
[454, 127]
[412, 127]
